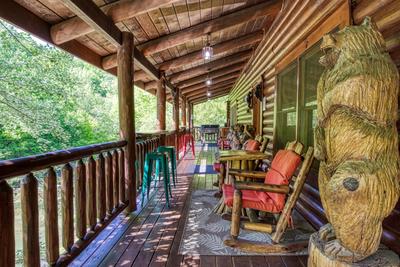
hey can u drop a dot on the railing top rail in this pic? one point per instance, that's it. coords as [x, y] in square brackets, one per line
[20, 166]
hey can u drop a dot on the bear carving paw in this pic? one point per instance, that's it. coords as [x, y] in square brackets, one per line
[335, 250]
[326, 232]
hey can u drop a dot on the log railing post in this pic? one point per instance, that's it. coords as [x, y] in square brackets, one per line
[101, 188]
[121, 160]
[91, 193]
[30, 220]
[7, 237]
[51, 217]
[67, 207]
[115, 174]
[109, 184]
[80, 199]
[126, 114]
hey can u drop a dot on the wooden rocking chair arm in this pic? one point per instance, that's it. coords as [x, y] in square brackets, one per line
[283, 189]
[247, 174]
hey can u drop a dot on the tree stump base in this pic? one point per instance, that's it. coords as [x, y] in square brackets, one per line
[383, 257]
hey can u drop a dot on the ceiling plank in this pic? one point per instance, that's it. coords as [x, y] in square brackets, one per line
[202, 99]
[110, 61]
[95, 18]
[213, 74]
[211, 66]
[194, 57]
[218, 80]
[229, 82]
[268, 8]
[118, 11]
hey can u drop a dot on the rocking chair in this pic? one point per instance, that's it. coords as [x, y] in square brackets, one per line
[268, 197]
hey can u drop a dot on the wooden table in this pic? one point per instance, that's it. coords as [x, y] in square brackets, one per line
[226, 157]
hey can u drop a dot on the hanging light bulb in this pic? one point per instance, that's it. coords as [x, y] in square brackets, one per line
[208, 80]
[208, 94]
[207, 50]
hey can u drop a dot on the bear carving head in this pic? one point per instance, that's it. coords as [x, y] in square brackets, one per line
[351, 43]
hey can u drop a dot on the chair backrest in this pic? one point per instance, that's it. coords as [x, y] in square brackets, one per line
[295, 146]
[294, 195]
[251, 145]
[281, 171]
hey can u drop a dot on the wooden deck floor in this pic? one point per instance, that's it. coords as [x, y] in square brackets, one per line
[151, 236]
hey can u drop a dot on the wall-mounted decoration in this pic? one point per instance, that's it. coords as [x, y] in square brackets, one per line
[258, 92]
[249, 99]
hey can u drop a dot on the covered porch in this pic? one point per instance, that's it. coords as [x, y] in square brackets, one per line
[264, 56]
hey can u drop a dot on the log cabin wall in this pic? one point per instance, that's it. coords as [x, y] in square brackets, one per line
[298, 26]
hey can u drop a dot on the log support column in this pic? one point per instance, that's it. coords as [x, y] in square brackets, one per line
[184, 121]
[175, 120]
[228, 113]
[161, 108]
[126, 114]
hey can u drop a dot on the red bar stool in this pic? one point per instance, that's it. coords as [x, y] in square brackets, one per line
[188, 138]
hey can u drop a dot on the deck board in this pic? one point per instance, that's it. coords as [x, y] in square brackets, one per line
[152, 235]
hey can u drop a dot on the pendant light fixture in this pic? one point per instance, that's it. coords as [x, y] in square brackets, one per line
[207, 50]
[208, 79]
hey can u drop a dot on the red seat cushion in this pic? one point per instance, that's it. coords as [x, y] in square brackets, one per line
[281, 171]
[251, 199]
[217, 167]
[252, 145]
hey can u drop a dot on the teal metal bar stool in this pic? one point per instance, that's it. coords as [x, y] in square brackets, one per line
[172, 158]
[161, 166]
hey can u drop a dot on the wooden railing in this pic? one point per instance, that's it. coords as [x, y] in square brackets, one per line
[92, 191]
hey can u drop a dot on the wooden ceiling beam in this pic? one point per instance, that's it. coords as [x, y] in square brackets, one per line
[212, 93]
[89, 12]
[75, 27]
[214, 74]
[211, 88]
[205, 98]
[211, 66]
[194, 57]
[218, 80]
[266, 8]
[110, 61]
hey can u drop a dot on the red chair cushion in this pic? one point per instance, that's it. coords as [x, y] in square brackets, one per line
[252, 145]
[281, 171]
[250, 199]
[217, 167]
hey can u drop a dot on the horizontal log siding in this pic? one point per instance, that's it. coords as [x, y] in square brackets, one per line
[297, 20]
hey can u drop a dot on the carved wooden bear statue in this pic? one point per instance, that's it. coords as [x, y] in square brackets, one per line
[356, 140]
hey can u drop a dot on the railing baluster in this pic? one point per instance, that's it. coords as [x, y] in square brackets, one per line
[101, 188]
[80, 200]
[67, 207]
[30, 220]
[109, 184]
[91, 193]
[7, 237]
[51, 217]
[115, 179]
[121, 176]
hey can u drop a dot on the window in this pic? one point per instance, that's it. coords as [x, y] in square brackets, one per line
[296, 113]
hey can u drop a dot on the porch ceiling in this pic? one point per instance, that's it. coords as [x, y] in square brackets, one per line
[168, 34]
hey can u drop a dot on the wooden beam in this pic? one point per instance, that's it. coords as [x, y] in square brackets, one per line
[211, 66]
[251, 38]
[267, 8]
[110, 61]
[161, 105]
[184, 112]
[226, 85]
[214, 86]
[118, 11]
[205, 98]
[126, 114]
[213, 74]
[95, 18]
[201, 85]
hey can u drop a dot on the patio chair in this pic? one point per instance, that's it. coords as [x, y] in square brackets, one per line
[268, 196]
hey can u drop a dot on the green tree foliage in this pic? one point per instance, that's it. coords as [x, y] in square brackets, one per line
[210, 112]
[50, 100]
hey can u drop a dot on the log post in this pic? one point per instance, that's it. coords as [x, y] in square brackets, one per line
[67, 206]
[161, 104]
[109, 184]
[236, 213]
[51, 217]
[175, 120]
[228, 113]
[7, 236]
[101, 188]
[121, 160]
[184, 112]
[30, 220]
[115, 174]
[126, 114]
[91, 193]
[80, 199]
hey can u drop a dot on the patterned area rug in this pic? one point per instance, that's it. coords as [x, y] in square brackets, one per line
[206, 231]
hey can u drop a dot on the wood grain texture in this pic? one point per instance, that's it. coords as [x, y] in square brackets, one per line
[51, 216]
[7, 237]
[30, 220]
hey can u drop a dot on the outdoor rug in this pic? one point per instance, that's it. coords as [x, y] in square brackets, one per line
[204, 169]
[205, 231]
